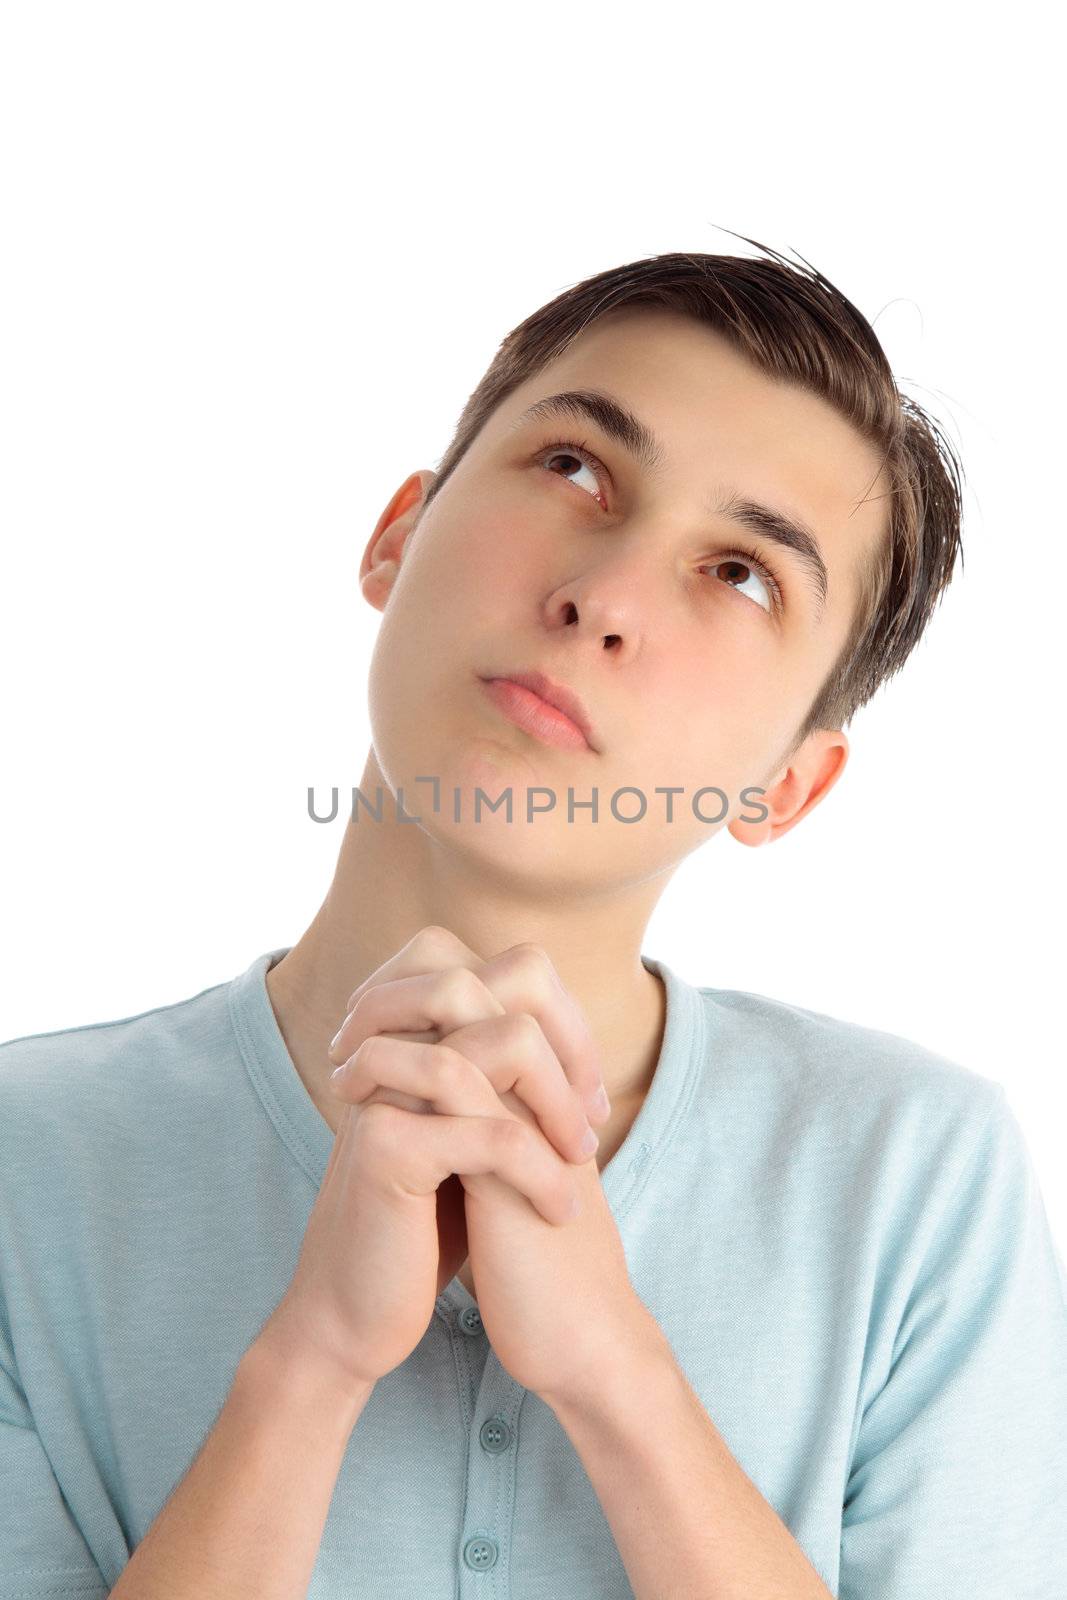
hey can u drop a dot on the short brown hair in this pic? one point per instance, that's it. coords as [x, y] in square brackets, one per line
[793, 325]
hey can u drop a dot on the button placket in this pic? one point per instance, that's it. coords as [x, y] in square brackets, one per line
[483, 1537]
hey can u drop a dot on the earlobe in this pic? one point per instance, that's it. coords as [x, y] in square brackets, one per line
[812, 773]
[758, 831]
[377, 583]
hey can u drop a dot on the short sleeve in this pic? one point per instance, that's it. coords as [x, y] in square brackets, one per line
[43, 1554]
[958, 1483]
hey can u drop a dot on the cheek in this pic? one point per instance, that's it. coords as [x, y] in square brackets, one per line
[477, 562]
[505, 570]
[440, 578]
[708, 721]
[500, 541]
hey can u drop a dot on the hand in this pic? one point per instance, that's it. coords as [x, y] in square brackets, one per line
[378, 1218]
[507, 985]
[555, 1301]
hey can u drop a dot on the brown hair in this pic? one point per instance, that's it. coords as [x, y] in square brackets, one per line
[797, 326]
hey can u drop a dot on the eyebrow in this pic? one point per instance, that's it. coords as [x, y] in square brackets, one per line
[615, 419]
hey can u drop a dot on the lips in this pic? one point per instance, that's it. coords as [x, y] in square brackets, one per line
[554, 694]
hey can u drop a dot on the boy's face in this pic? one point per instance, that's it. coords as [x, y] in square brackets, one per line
[633, 593]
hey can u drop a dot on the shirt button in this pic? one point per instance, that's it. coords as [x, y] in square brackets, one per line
[495, 1435]
[470, 1320]
[480, 1553]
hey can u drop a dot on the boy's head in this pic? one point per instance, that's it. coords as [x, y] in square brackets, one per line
[707, 651]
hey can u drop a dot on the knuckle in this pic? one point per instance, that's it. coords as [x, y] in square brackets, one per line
[532, 954]
[450, 1068]
[536, 963]
[369, 1053]
[459, 984]
[378, 1126]
[435, 940]
[512, 1137]
[525, 1030]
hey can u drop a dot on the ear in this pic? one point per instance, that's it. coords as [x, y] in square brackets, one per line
[385, 550]
[812, 772]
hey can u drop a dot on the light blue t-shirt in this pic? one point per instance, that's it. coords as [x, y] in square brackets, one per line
[839, 1232]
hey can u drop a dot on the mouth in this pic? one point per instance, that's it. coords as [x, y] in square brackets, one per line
[549, 710]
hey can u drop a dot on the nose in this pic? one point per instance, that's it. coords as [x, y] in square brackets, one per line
[609, 595]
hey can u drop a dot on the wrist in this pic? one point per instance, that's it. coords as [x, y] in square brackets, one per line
[274, 1370]
[632, 1344]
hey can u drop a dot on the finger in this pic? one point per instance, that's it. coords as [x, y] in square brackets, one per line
[432, 948]
[434, 1073]
[416, 1154]
[524, 978]
[514, 1055]
[446, 999]
[516, 1058]
[447, 1078]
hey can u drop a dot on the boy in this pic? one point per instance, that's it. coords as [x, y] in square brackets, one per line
[807, 1332]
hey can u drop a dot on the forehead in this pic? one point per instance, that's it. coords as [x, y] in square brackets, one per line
[725, 428]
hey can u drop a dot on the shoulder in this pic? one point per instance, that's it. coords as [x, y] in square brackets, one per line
[103, 1074]
[870, 1088]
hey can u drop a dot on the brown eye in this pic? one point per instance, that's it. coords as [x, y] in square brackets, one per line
[750, 569]
[563, 449]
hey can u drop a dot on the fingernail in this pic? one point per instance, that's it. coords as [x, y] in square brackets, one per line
[600, 1105]
[589, 1143]
[333, 1041]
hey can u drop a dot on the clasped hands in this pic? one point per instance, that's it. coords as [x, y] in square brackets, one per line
[438, 1030]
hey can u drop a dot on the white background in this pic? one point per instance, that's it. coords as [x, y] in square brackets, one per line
[255, 259]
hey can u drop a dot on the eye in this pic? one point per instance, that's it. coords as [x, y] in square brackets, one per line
[757, 570]
[565, 449]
